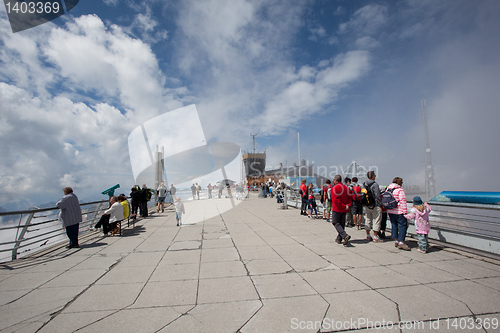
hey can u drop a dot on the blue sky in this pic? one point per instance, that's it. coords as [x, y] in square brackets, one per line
[348, 75]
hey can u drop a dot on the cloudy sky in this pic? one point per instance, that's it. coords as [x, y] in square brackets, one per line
[349, 76]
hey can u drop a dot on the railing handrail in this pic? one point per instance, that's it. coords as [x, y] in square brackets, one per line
[38, 210]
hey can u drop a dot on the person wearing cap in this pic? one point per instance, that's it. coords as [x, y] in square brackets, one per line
[420, 212]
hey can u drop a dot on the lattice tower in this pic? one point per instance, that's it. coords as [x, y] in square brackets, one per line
[429, 169]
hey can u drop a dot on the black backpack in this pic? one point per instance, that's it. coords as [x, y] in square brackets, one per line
[366, 197]
[388, 200]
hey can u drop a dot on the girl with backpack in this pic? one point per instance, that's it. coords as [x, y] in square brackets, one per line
[420, 212]
[397, 215]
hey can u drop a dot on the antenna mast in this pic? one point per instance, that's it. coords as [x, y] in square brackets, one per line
[429, 170]
[253, 142]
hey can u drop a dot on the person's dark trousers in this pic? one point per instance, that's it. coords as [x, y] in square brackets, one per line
[72, 232]
[338, 221]
[104, 222]
[383, 222]
[135, 206]
[399, 226]
[144, 209]
[303, 207]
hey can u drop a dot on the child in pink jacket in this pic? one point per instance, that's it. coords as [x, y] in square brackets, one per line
[420, 212]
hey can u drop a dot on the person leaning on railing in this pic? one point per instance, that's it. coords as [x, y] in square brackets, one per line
[71, 215]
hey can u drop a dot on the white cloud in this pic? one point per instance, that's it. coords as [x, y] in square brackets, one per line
[302, 99]
[46, 139]
[368, 20]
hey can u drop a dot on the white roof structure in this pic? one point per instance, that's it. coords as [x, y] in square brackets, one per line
[355, 170]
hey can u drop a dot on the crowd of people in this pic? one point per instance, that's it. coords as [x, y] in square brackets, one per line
[344, 202]
[343, 205]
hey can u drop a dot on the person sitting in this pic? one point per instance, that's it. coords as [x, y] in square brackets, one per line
[113, 214]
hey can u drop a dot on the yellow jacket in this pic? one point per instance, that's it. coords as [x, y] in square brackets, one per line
[126, 208]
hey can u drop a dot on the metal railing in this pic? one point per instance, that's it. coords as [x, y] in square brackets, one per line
[28, 230]
[470, 225]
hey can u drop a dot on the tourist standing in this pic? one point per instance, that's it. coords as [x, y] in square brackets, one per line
[198, 189]
[328, 199]
[348, 216]
[135, 195]
[144, 198]
[373, 213]
[341, 201]
[209, 190]
[383, 220]
[162, 193]
[173, 190]
[193, 191]
[71, 215]
[397, 215]
[303, 197]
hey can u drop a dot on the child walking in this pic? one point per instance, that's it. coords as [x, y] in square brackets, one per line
[420, 212]
[179, 209]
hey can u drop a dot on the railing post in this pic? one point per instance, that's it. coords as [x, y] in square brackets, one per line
[21, 235]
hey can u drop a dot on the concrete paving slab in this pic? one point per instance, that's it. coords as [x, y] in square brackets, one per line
[479, 300]
[210, 270]
[258, 252]
[424, 303]
[226, 290]
[127, 274]
[183, 245]
[493, 283]
[98, 261]
[217, 243]
[136, 259]
[38, 303]
[230, 317]
[381, 277]
[28, 280]
[288, 315]
[282, 285]
[490, 323]
[424, 273]
[333, 281]
[358, 310]
[465, 269]
[386, 258]
[75, 278]
[136, 320]
[106, 297]
[224, 254]
[176, 272]
[167, 293]
[7, 296]
[350, 260]
[70, 322]
[181, 257]
[267, 266]
[308, 263]
[293, 251]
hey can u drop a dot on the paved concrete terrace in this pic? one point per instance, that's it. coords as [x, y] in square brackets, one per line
[254, 268]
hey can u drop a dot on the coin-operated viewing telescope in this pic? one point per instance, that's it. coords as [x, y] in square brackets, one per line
[111, 191]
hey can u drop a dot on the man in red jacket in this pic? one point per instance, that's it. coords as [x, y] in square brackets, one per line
[341, 201]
